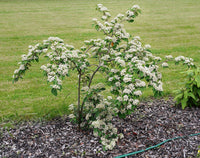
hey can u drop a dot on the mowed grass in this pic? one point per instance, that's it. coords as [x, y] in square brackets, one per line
[169, 26]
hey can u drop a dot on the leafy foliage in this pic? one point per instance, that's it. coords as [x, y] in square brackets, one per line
[190, 94]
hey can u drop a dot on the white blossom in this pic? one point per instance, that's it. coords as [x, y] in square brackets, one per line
[117, 77]
[59, 81]
[129, 106]
[109, 97]
[140, 83]
[179, 58]
[119, 98]
[127, 78]
[95, 133]
[105, 57]
[51, 78]
[104, 17]
[100, 106]
[121, 62]
[129, 13]
[147, 46]
[71, 107]
[165, 64]
[24, 57]
[131, 87]
[157, 58]
[88, 116]
[138, 93]
[128, 56]
[114, 70]
[94, 19]
[135, 102]
[127, 91]
[136, 7]
[55, 86]
[118, 84]
[169, 57]
[86, 88]
[146, 59]
[137, 38]
[16, 71]
[125, 98]
[159, 75]
[97, 123]
[159, 86]
[122, 73]
[71, 116]
[110, 79]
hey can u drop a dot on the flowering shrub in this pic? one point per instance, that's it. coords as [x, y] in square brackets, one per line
[130, 67]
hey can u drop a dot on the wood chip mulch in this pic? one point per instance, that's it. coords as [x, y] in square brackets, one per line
[153, 122]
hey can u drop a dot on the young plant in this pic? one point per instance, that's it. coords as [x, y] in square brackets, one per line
[128, 65]
[190, 94]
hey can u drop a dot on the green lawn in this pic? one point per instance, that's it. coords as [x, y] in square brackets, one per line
[169, 26]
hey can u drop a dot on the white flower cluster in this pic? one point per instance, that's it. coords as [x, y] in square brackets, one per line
[132, 13]
[169, 57]
[165, 64]
[180, 58]
[138, 63]
[120, 61]
[150, 71]
[53, 72]
[127, 78]
[105, 11]
[105, 57]
[56, 39]
[114, 25]
[157, 86]
[101, 123]
[138, 93]
[33, 54]
[186, 60]
[61, 55]
[140, 83]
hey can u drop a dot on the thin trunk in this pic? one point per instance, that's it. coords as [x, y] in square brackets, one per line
[93, 76]
[89, 86]
[79, 99]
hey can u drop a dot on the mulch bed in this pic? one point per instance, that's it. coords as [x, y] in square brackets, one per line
[153, 122]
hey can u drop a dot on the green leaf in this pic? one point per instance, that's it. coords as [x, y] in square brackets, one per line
[37, 60]
[97, 27]
[185, 94]
[184, 102]
[121, 115]
[131, 20]
[176, 63]
[178, 97]
[125, 39]
[129, 112]
[198, 92]
[197, 79]
[54, 91]
[192, 95]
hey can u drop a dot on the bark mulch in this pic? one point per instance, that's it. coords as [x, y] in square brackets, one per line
[153, 122]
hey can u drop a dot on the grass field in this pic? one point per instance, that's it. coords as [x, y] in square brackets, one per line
[169, 26]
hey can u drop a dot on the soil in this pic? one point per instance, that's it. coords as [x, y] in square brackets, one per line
[152, 123]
